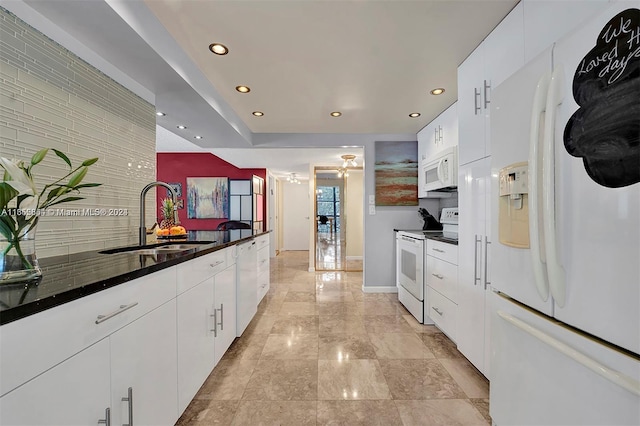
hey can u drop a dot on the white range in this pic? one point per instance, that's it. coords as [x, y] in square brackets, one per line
[411, 261]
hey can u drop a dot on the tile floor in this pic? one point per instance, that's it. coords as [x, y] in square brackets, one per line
[320, 351]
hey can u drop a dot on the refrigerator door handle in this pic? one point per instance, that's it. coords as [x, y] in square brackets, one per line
[537, 259]
[555, 271]
[614, 376]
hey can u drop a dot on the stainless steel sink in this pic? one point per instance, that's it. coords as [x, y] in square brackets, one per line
[179, 247]
[154, 251]
[158, 249]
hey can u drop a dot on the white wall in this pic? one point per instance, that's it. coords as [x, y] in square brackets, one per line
[51, 98]
[379, 238]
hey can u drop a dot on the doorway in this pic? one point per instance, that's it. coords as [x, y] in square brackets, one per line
[338, 220]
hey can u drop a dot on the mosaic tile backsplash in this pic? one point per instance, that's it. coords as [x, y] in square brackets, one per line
[50, 98]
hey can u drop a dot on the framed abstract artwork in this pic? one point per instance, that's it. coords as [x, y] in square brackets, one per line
[208, 198]
[396, 173]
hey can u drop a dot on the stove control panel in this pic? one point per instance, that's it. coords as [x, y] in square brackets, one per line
[449, 215]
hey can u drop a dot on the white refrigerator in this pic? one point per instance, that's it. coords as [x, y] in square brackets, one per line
[565, 253]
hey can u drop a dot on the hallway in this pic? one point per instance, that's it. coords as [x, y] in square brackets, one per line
[320, 351]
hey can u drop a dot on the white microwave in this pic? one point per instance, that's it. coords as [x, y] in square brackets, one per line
[440, 172]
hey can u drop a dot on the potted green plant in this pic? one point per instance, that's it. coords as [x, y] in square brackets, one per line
[21, 206]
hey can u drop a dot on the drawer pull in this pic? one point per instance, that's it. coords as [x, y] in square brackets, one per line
[438, 250]
[103, 318]
[438, 311]
[438, 276]
[213, 265]
[107, 418]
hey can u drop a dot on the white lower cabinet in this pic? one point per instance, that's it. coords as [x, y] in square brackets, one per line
[74, 392]
[225, 311]
[264, 278]
[474, 267]
[206, 328]
[442, 286]
[144, 370]
[149, 344]
[196, 344]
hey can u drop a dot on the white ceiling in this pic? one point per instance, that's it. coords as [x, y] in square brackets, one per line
[374, 60]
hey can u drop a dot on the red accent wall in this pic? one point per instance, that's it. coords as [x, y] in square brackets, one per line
[177, 167]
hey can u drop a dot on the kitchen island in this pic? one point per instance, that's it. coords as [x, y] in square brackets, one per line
[120, 337]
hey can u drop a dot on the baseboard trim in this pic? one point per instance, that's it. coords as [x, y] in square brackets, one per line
[379, 289]
[353, 257]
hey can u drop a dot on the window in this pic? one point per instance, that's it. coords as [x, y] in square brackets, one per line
[328, 204]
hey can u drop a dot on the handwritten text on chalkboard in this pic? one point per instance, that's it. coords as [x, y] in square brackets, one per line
[605, 130]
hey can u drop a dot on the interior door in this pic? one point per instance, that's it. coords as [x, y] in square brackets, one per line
[296, 216]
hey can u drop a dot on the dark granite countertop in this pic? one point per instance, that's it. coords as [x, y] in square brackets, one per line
[70, 277]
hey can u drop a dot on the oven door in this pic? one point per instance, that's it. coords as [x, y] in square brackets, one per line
[410, 265]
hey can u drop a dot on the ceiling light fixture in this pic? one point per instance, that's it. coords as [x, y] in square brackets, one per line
[258, 113]
[336, 114]
[218, 49]
[414, 115]
[438, 91]
[181, 127]
[243, 89]
[293, 178]
[160, 114]
[349, 160]
[198, 137]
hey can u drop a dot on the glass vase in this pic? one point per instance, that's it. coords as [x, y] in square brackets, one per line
[18, 260]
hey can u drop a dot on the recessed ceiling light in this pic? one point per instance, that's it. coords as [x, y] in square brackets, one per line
[258, 113]
[243, 89]
[160, 114]
[438, 91]
[414, 115]
[336, 114]
[218, 49]
[198, 137]
[181, 127]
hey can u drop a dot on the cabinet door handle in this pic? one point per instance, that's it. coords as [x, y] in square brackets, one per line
[438, 250]
[438, 311]
[486, 92]
[476, 104]
[213, 265]
[438, 276]
[486, 254]
[107, 418]
[435, 136]
[221, 323]
[121, 309]
[129, 400]
[214, 315]
[440, 136]
[476, 278]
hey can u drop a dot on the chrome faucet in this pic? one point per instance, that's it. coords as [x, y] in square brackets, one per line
[143, 228]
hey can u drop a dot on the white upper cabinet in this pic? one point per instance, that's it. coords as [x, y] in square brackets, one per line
[440, 134]
[546, 21]
[495, 59]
